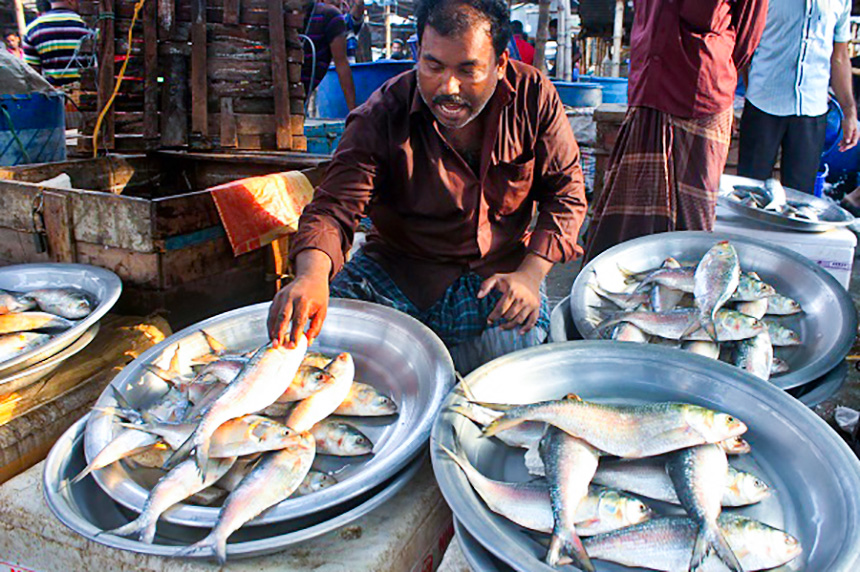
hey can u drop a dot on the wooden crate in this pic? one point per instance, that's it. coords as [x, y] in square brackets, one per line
[202, 74]
[147, 219]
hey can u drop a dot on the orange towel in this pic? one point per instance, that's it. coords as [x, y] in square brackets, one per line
[258, 210]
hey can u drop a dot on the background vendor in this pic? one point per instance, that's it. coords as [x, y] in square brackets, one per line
[450, 160]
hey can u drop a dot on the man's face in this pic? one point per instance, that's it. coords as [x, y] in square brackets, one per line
[12, 41]
[458, 75]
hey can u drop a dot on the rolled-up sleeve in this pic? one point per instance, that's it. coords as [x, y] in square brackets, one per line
[559, 183]
[329, 222]
[749, 18]
[842, 32]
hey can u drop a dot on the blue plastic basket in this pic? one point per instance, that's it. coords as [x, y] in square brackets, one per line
[32, 128]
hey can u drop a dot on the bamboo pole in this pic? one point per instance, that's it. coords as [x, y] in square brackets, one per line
[616, 38]
[542, 35]
[387, 31]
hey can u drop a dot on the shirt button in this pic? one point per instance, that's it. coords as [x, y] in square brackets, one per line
[656, 58]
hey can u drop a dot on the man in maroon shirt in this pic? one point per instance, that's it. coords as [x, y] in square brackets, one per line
[671, 150]
[450, 160]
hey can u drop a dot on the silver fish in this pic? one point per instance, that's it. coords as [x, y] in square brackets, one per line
[627, 332]
[703, 348]
[528, 504]
[751, 288]
[699, 475]
[364, 400]
[174, 487]
[569, 464]
[30, 321]
[524, 435]
[648, 478]
[128, 442]
[14, 302]
[757, 308]
[780, 335]
[782, 306]
[313, 482]
[735, 446]
[12, 345]
[260, 383]
[755, 355]
[666, 544]
[664, 298]
[630, 431]
[340, 439]
[272, 480]
[731, 326]
[682, 279]
[323, 403]
[670, 325]
[779, 366]
[308, 380]
[624, 300]
[716, 279]
[69, 303]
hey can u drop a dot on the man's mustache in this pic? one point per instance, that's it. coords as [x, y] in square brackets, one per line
[452, 99]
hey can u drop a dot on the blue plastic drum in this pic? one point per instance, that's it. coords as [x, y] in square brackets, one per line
[614, 88]
[32, 128]
[579, 94]
[838, 163]
[368, 77]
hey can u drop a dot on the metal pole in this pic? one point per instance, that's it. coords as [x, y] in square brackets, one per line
[564, 46]
[19, 16]
[542, 35]
[616, 38]
[387, 31]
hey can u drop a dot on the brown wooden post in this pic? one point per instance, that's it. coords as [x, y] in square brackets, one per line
[150, 72]
[59, 226]
[277, 41]
[199, 115]
[106, 50]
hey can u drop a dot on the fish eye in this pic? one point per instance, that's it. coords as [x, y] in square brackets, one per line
[730, 419]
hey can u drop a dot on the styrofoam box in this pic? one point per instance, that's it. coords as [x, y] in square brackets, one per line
[833, 250]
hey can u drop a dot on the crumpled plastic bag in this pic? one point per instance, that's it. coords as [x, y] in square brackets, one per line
[847, 419]
[18, 78]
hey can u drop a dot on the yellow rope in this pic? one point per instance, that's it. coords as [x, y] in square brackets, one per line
[103, 113]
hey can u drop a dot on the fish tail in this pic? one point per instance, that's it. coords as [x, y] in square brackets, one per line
[712, 537]
[493, 406]
[128, 529]
[500, 424]
[464, 387]
[147, 535]
[608, 323]
[464, 411]
[567, 542]
[181, 453]
[457, 457]
[694, 325]
[208, 543]
[82, 475]
[215, 346]
[120, 399]
[160, 373]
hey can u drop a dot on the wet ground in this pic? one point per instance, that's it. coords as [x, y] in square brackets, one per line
[561, 278]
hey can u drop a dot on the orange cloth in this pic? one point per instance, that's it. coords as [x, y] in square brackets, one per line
[258, 210]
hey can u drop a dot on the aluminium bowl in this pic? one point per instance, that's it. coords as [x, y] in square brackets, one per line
[103, 286]
[832, 215]
[87, 510]
[393, 352]
[814, 476]
[827, 325]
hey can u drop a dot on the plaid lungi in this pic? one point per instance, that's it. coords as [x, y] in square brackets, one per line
[664, 175]
[459, 316]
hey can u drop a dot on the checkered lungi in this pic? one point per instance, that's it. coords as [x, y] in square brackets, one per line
[459, 318]
[664, 175]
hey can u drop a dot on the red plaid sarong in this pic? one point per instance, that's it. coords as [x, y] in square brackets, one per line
[664, 175]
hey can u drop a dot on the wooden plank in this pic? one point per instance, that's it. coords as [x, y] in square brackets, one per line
[106, 71]
[134, 268]
[231, 12]
[174, 114]
[297, 125]
[59, 226]
[204, 260]
[300, 143]
[295, 71]
[277, 39]
[112, 220]
[229, 135]
[16, 247]
[34, 418]
[166, 18]
[199, 120]
[150, 82]
[185, 213]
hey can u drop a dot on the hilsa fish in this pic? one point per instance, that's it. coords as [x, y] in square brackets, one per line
[323, 403]
[716, 279]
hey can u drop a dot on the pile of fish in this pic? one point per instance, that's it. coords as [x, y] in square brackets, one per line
[31, 319]
[771, 197]
[712, 308]
[595, 462]
[242, 426]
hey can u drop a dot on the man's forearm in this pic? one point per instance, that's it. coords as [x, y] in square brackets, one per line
[344, 74]
[535, 266]
[840, 79]
[313, 263]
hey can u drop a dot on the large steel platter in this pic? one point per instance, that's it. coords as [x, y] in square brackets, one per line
[476, 556]
[34, 373]
[832, 215]
[392, 351]
[87, 510]
[815, 477]
[827, 326]
[102, 285]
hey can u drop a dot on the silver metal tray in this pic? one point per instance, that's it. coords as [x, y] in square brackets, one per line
[103, 285]
[476, 556]
[823, 388]
[832, 215]
[827, 327]
[392, 351]
[87, 510]
[814, 475]
[34, 373]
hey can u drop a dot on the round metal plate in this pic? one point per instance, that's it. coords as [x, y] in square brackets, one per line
[102, 285]
[832, 215]
[87, 510]
[814, 475]
[824, 388]
[476, 556]
[393, 352]
[827, 327]
[32, 374]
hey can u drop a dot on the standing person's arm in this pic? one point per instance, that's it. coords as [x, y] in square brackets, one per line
[344, 72]
[31, 54]
[748, 18]
[840, 80]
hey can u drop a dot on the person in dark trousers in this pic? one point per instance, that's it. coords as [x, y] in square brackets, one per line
[805, 48]
[325, 27]
[52, 43]
[451, 160]
[665, 168]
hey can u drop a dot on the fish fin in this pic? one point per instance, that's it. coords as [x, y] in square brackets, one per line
[500, 424]
[121, 399]
[127, 529]
[694, 325]
[711, 537]
[147, 535]
[464, 411]
[572, 397]
[493, 406]
[568, 542]
[184, 450]
[208, 543]
[217, 347]
[162, 374]
[457, 457]
[464, 387]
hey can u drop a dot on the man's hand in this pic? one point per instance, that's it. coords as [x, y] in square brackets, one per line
[305, 298]
[850, 134]
[520, 301]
